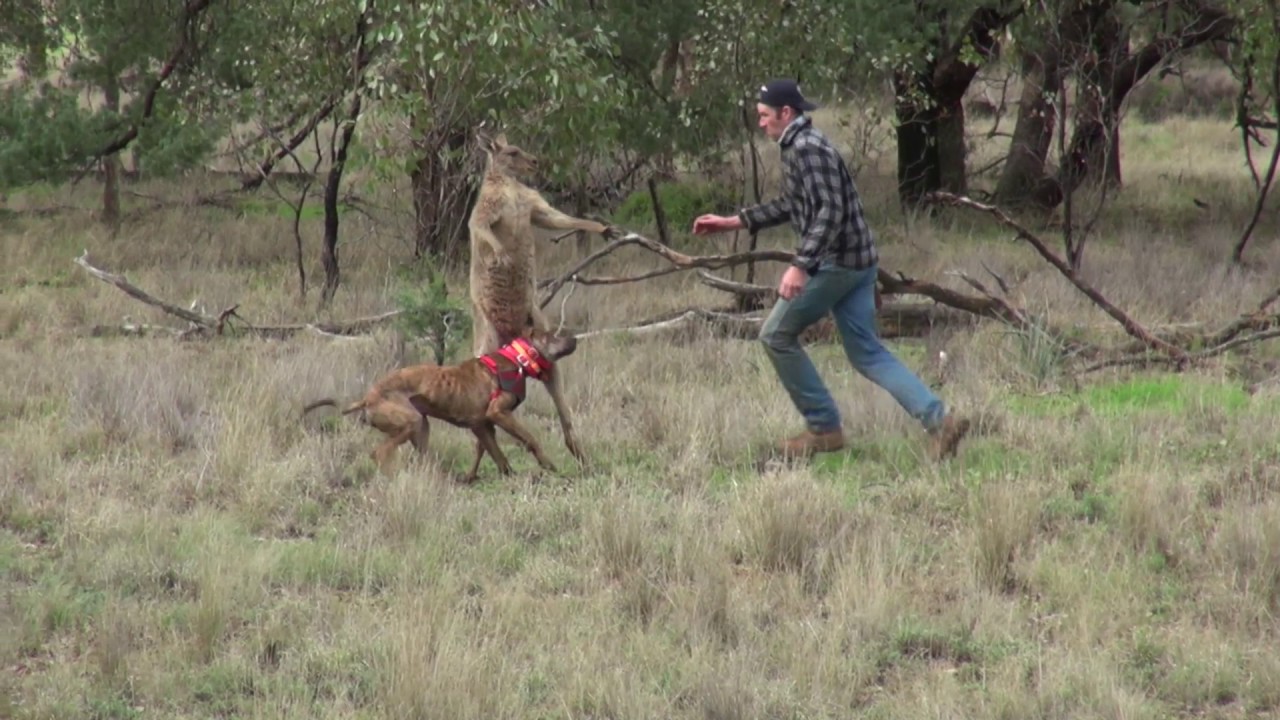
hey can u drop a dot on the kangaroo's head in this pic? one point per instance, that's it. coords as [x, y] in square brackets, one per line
[506, 158]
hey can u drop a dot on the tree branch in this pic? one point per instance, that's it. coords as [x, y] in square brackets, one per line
[286, 148]
[1130, 325]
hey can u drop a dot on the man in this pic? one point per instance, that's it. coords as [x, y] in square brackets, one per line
[834, 271]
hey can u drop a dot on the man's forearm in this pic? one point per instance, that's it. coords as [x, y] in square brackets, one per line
[764, 215]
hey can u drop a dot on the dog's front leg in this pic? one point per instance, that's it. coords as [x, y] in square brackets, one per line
[503, 418]
[555, 389]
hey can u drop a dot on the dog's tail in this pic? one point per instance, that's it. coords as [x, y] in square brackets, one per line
[331, 402]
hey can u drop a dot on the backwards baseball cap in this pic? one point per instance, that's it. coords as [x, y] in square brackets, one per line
[784, 92]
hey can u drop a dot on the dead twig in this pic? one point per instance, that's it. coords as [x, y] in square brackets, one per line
[563, 304]
[747, 291]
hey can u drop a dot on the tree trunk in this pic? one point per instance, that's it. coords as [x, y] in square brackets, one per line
[931, 143]
[443, 193]
[111, 162]
[930, 107]
[919, 164]
[1024, 182]
[329, 253]
[1092, 30]
[1095, 143]
[952, 172]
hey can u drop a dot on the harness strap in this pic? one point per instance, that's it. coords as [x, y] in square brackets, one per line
[528, 363]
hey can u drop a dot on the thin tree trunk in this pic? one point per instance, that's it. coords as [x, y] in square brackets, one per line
[329, 253]
[111, 163]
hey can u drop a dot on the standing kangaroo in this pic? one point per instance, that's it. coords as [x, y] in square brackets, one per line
[504, 302]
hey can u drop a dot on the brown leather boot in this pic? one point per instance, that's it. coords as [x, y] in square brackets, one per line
[804, 446]
[945, 439]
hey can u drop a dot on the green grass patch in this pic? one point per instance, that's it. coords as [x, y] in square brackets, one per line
[1165, 394]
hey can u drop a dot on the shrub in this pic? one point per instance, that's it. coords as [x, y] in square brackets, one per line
[681, 203]
[428, 313]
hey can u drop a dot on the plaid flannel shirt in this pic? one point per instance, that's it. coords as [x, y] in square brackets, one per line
[820, 200]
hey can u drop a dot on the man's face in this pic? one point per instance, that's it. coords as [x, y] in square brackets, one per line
[774, 120]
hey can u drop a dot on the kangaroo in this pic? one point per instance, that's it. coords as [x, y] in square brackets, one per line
[503, 267]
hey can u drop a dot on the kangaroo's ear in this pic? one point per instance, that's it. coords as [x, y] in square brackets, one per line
[483, 138]
[500, 141]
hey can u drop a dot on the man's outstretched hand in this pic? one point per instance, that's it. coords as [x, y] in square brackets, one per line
[707, 224]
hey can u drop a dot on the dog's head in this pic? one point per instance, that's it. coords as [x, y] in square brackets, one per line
[552, 346]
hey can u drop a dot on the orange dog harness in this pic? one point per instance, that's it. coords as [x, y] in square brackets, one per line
[528, 363]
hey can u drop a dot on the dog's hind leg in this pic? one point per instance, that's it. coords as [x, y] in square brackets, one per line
[399, 421]
[382, 454]
[487, 441]
[421, 435]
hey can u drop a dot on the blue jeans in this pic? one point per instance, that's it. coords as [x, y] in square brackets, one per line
[849, 295]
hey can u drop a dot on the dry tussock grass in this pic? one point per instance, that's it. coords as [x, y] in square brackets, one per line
[175, 541]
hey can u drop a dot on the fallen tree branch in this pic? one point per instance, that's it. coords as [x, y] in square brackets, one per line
[679, 261]
[748, 291]
[912, 318]
[1130, 325]
[552, 286]
[728, 324]
[994, 308]
[137, 293]
[217, 325]
[1150, 359]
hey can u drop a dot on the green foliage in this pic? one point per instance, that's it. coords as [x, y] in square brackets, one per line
[698, 111]
[1259, 52]
[40, 131]
[681, 203]
[451, 66]
[171, 142]
[428, 312]
[239, 67]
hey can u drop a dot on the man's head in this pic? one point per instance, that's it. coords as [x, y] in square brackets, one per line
[779, 103]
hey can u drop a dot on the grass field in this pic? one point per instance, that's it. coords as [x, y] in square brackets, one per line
[175, 543]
